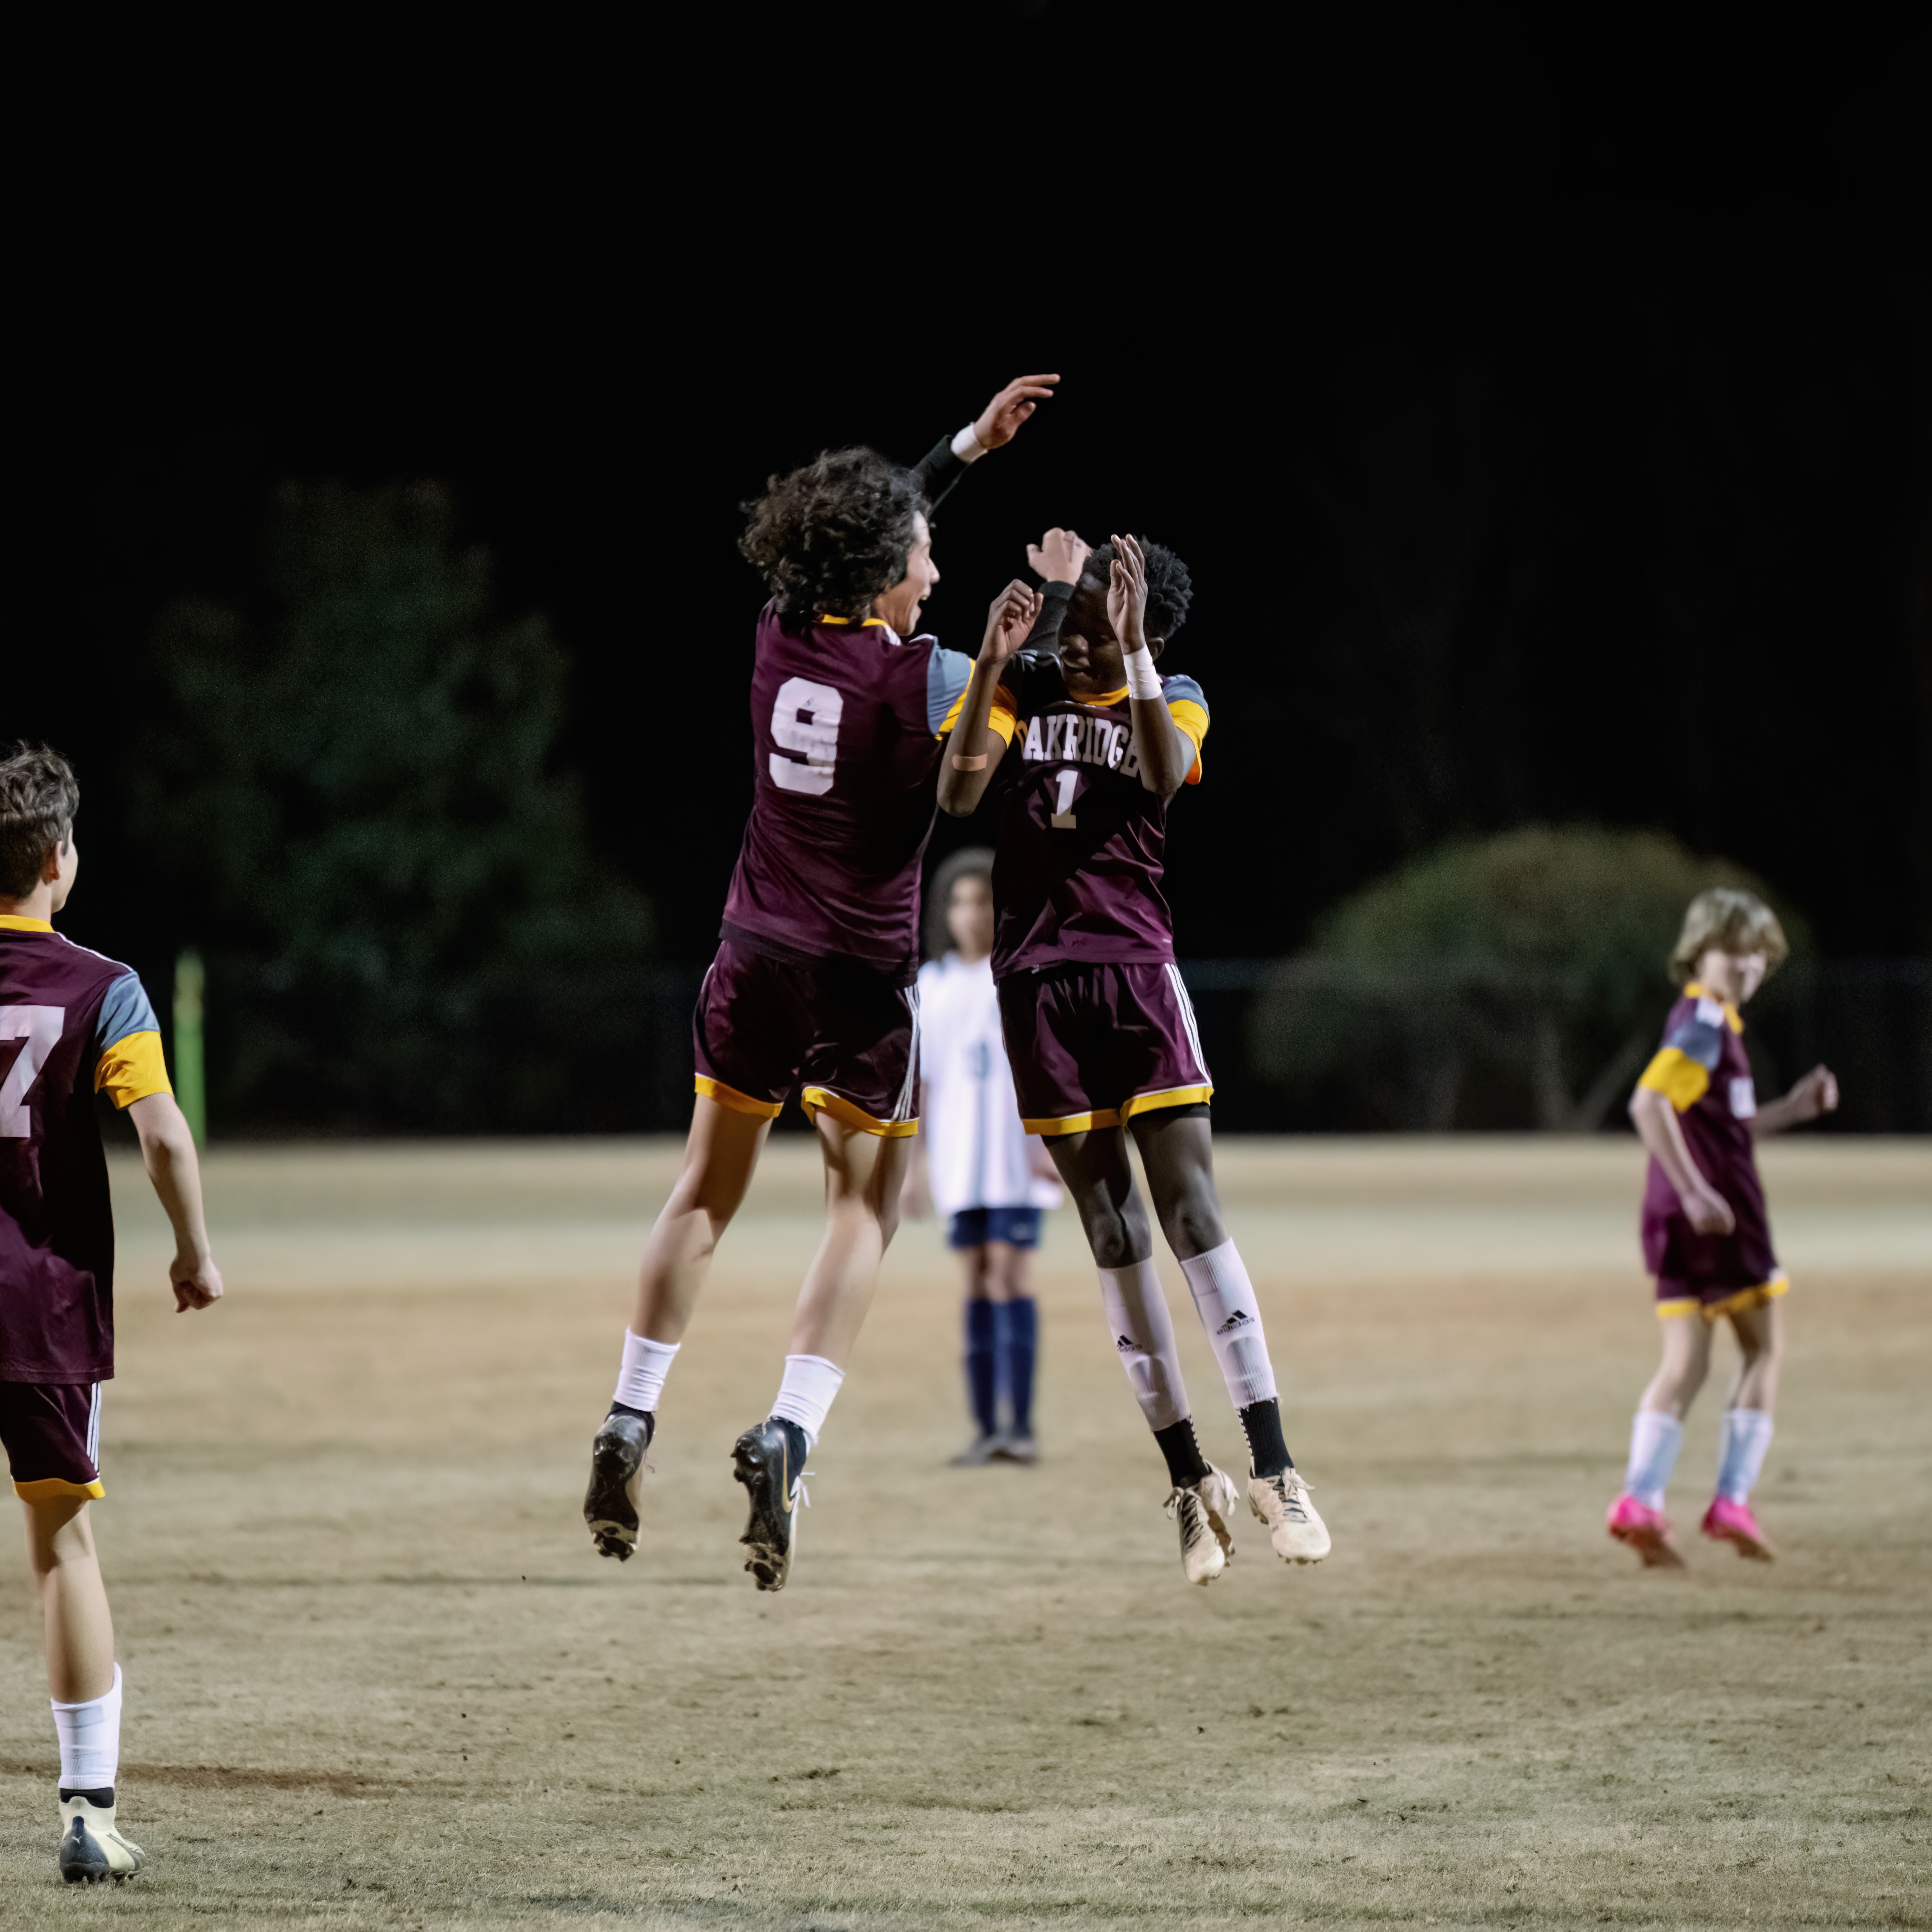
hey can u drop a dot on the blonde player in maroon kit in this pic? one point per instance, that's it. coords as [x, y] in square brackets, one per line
[811, 991]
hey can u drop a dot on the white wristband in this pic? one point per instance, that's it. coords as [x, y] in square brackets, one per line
[1142, 679]
[967, 446]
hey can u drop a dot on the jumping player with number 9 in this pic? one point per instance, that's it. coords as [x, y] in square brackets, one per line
[811, 992]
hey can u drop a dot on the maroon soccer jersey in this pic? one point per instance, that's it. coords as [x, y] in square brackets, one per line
[1702, 1069]
[845, 724]
[1082, 842]
[71, 1023]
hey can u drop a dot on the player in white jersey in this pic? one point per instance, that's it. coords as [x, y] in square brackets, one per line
[987, 1178]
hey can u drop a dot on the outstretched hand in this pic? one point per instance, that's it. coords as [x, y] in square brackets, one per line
[1008, 621]
[1126, 595]
[1815, 1093]
[999, 422]
[1059, 556]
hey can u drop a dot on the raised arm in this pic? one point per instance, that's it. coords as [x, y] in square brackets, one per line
[1816, 1094]
[167, 1150]
[967, 766]
[997, 424]
[1166, 752]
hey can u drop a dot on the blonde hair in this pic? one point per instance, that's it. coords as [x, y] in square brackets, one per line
[1726, 920]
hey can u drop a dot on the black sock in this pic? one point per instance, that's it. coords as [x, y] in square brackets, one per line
[1261, 1423]
[648, 1417]
[103, 1797]
[1186, 1466]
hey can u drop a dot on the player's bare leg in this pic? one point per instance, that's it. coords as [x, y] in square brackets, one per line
[78, 1632]
[1100, 1180]
[1178, 1150]
[864, 1175]
[1747, 1430]
[721, 1154]
[1636, 1518]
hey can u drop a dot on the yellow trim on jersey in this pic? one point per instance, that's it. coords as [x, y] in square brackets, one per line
[1732, 1304]
[1005, 718]
[132, 1069]
[52, 1489]
[816, 1100]
[735, 1101]
[1733, 1019]
[1679, 1078]
[19, 922]
[1165, 1097]
[861, 622]
[1191, 720]
[1075, 1124]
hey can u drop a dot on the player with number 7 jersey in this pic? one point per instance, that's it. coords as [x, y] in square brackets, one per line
[811, 991]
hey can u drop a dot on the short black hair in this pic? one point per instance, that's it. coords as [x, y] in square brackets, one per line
[829, 537]
[38, 798]
[1170, 589]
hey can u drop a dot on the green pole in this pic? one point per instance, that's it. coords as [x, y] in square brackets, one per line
[191, 1073]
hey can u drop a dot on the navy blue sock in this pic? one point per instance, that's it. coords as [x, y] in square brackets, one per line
[1019, 1336]
[982, 1365]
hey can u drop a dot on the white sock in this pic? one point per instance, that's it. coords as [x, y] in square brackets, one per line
[1224, 1298]
[804, 1395]
[1742, 1444]
[1144, 1337]
[90, 1740]
[640, 1381]
[1655, 1439]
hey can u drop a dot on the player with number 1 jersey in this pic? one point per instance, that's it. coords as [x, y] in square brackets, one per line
[811, 993]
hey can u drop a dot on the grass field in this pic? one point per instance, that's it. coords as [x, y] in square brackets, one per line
[376, 1677]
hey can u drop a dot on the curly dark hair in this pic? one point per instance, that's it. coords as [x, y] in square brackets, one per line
[38, 798]
[1170, 589]
[829, 537]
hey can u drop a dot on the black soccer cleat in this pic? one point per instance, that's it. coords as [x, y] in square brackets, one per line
[769, 1461]
[616, 1477]
[92, 1850]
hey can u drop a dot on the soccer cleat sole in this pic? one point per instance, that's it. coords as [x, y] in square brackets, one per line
[1657, 1550]
[769, 1536]
[1754, 1547]
[610, 1503]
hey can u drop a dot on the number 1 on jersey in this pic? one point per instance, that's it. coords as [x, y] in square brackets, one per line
[1069, 782]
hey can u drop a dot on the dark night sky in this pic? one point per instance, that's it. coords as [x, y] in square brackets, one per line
[1539, 488]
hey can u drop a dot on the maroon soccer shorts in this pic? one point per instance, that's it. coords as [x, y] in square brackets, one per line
[51, 1431]
[1712, 1299]
[841, 1037]
[1092, 1046]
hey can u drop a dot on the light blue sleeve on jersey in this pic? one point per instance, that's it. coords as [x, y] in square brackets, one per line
[1699, 1037]
[1183, 690]
[125, 1010]
[946, 675]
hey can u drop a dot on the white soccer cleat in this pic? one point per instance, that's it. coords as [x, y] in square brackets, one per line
[1283, 1502]
[91, 1851]
[1205, 1514]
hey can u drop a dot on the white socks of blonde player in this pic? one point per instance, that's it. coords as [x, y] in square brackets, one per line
[1655, 1439]
[1224, 1298]
[1742, 1442]
[90, 1740]
[1143, 1336]
[641, 1382]
[804, 1395]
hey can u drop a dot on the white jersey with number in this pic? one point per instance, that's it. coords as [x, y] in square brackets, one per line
[976, 1150]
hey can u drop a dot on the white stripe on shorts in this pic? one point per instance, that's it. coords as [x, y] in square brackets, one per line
[1187, 1019]
[94, 1430]
[909, 1093]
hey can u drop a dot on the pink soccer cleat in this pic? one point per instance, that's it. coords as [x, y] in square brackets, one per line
[1647, 1531]
[1727, 1521]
